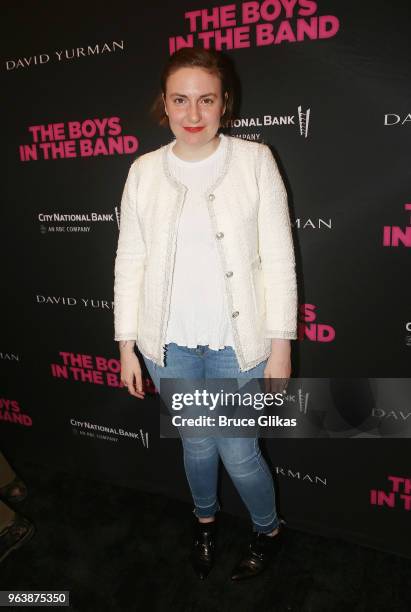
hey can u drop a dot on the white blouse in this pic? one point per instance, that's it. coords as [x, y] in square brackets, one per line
[198, 309]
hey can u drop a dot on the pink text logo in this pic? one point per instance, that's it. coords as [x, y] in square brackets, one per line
[96, 370]
[255, 24]
[399, 494]
[88, 138]
[10, 411]
[310, 329]
[394, 236]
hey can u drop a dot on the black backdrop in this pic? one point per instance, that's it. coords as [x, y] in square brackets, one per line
[335, 109]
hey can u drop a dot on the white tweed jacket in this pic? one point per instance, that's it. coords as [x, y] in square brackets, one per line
[249, 213]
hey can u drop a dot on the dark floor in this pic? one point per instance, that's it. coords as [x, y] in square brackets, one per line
[118, 549]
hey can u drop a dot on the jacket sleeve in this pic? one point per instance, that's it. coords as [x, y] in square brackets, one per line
[276, 251]
[129, 262]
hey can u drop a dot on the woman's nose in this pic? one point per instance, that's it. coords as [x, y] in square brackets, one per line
[194, 113]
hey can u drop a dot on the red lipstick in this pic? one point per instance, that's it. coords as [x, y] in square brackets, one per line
[193, 129]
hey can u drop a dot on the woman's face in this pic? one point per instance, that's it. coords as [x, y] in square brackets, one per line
[194, 100]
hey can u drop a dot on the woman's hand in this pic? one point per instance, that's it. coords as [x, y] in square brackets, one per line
[278, 368]
[131, 370]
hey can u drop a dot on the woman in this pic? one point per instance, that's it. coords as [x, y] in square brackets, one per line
[205, 283]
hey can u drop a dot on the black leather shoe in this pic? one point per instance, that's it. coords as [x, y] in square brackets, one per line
[260, 552]
[202, 551]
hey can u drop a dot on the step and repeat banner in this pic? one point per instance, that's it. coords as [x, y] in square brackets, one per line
[326, 85]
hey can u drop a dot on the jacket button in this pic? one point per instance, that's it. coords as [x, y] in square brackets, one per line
[229, 274]
[235, 314]
[220, 235]
[211, 197]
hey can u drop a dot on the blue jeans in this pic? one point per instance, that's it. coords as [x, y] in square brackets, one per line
[241, 456]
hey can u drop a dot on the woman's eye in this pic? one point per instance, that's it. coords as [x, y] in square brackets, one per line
[180, 101]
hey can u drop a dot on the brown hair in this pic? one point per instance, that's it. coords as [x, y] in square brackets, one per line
[209, 59]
